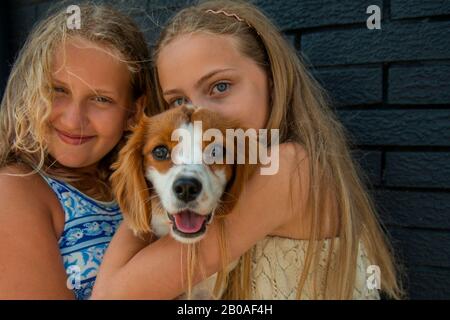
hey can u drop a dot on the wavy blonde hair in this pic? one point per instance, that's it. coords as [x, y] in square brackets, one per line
[300, 110]
[27, 101]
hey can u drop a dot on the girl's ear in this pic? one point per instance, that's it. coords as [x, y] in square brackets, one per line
[128, 182]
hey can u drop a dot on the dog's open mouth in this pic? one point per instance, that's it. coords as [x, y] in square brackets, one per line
[188, 223]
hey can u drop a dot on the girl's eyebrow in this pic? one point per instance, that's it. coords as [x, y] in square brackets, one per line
[56, 81]
[200, 81]
[103, 92]
[96, 91]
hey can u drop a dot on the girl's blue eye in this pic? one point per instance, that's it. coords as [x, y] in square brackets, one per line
[178, 102]
[221, 87]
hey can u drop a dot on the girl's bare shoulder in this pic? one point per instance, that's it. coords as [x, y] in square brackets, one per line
[295, 159]
[28, 192]
[30, 259]
[16, 179]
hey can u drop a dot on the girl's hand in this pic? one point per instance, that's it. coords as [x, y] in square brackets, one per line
[133, 269]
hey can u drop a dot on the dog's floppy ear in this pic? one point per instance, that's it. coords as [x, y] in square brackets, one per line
[129, 184]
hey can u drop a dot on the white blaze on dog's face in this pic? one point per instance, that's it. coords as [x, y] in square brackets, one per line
[189, 192]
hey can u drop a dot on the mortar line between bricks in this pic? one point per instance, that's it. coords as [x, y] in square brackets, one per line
[420, 63]
[436, 267]
[411, 189]
[25, 3]
[394, 107]
[386, 11]
[396, 227]
[332, 27]
[362, 24]
[424, 265]
[350, 26]
[372, 65]
[385, 83]
[393, 63]
[412, 149]
[412, 227]
[383, 168]
[367, 148]
[434, 18]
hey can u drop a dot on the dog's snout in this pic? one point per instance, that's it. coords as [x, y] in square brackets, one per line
[187, 189]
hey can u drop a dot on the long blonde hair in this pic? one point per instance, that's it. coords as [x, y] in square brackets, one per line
[27, 101]
[300, 110]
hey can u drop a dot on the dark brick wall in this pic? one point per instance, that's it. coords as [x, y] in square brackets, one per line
[390, 88]
[4, 48]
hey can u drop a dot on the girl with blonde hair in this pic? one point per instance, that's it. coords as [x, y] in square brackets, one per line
[71, 95]
[310, 231]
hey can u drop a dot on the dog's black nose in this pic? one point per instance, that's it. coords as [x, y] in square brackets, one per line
[187, 189]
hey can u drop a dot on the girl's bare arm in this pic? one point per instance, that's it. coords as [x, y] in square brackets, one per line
[133, 269]
[30, 262]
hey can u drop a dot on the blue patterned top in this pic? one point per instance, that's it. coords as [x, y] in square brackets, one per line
[88, 229]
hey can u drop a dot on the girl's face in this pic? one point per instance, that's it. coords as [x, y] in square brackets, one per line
[92, 96]
[209, 71]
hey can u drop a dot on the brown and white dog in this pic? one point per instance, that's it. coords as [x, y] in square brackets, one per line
[161, 190]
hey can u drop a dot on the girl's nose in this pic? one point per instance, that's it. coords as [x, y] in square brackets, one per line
[74, 116]
[199, 102]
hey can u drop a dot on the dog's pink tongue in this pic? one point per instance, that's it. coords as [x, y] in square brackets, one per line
[188, 221]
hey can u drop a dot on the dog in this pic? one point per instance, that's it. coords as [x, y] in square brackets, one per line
[161, 190]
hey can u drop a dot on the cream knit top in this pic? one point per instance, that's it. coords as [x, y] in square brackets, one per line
[277, 262]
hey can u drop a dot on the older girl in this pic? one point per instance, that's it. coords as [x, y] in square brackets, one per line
[308, 232]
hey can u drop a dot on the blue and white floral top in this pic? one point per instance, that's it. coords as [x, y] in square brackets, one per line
[88, 229]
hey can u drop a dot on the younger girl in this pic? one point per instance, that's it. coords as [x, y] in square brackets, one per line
[308, 232]
[70, 97]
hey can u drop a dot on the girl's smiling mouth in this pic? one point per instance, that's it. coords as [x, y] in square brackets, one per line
[73, 139]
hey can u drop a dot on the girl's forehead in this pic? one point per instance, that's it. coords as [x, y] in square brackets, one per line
[196, 54]
[199, 47]
[79, 60]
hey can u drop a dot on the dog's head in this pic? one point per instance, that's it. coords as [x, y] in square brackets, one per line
[155, 177]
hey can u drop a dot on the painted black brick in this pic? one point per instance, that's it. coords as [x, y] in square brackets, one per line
[398, 127]
[291, 38]
[418, 8]
[22, 20]
[418, 169]
[418, 209]
[422, 247]
[352, 86]
[429, 283]
[370, 163]
[297, 14]
[396, 41]
[420, 85]
[4, 46]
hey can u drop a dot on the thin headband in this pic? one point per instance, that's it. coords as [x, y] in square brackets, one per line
[234, 15]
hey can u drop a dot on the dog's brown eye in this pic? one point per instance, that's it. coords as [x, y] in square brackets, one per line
[160, 153]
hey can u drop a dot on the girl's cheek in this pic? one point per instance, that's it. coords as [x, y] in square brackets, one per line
[60, 101]
[59, 104]
[228, 106]
[111, 121]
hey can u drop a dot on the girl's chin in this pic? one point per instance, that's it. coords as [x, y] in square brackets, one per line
[75, 162]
